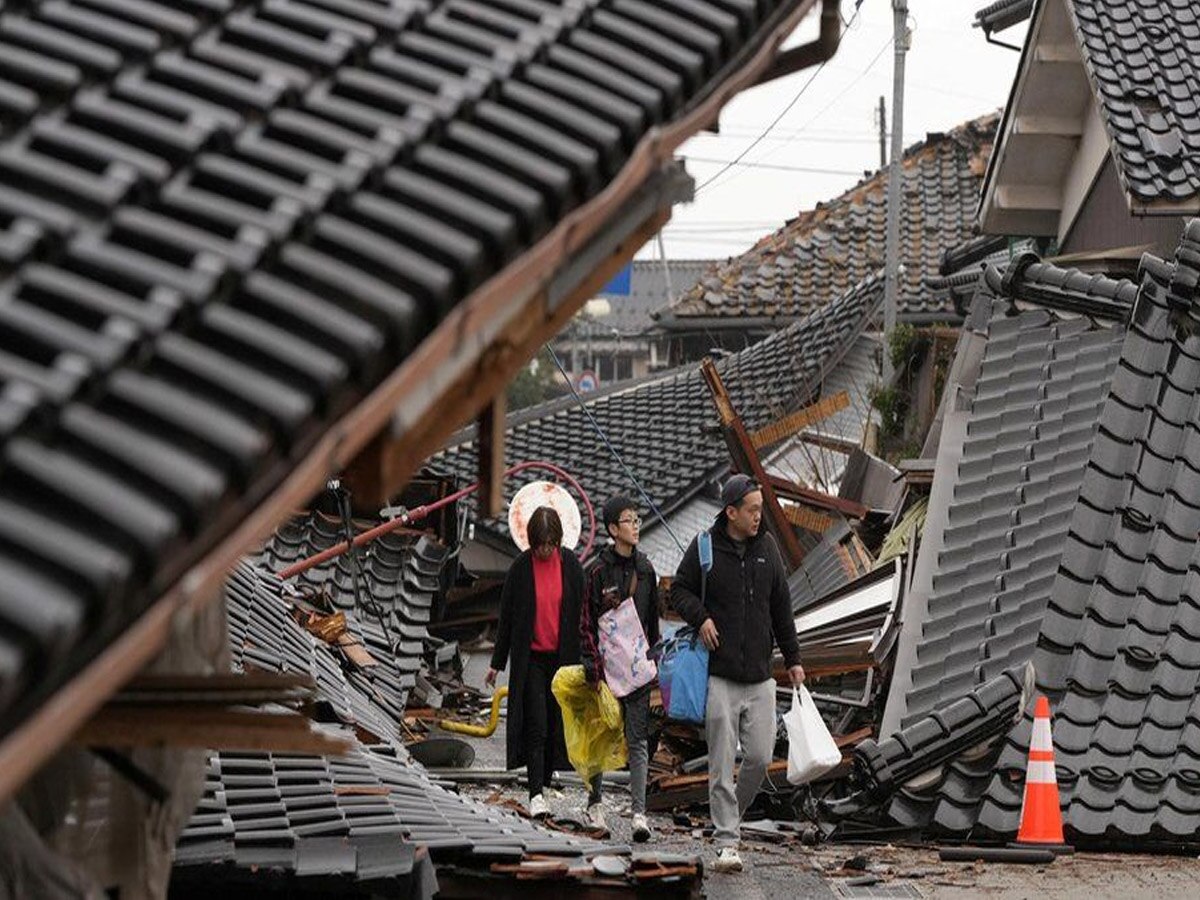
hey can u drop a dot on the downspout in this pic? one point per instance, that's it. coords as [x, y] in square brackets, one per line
[788, 62]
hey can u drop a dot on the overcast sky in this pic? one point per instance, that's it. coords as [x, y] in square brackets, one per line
[953, 75]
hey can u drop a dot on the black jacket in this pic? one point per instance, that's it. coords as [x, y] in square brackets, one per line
[748, 599]
[612, 570]
[514, 638]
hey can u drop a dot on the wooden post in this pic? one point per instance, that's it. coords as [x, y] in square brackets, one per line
[365, 477]
[491, 456]
[745, 459]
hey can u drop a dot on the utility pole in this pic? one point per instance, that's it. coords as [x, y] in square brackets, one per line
[892, 274]
[882, 133]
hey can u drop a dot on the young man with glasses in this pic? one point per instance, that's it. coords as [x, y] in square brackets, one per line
[620, 571]
[746, 609]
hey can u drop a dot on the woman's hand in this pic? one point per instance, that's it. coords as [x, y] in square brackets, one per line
[489, 680]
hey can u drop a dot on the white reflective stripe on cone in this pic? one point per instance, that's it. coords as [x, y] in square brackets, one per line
[1040, 772]
[1041, 735]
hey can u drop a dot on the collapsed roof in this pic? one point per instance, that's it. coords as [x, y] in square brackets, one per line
[225, 232]
[371, 819]
[1063, 532]
[824, 251]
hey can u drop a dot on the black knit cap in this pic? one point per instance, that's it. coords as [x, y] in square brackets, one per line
[736, 489]
[614, 506]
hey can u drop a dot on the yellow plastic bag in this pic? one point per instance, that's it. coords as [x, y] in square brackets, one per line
[592, 723]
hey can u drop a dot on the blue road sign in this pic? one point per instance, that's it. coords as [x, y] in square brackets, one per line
[622, 283]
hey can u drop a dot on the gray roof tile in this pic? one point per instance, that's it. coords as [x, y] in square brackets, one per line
[280, 809]
[1131, 679]
[1154, 126]
[825, 251]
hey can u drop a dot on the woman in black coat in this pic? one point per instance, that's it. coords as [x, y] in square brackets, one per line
[539, 631]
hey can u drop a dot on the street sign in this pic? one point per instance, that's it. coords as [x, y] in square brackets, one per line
[621, 284]
[587, 381]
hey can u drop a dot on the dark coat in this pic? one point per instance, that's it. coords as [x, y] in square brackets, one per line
[612, 570]
[514, 641]
[748, 600]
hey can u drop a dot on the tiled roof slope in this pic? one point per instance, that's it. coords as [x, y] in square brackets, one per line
[355, 818]
[1143, 59]
[822, 252]
[1042, 382]
[1031, 426]
[222, 222]
[658, 427]
[1119, 649]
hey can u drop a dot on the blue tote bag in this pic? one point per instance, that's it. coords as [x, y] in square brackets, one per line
[683, 677]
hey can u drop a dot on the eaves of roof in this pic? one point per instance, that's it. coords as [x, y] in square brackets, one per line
[341, 313]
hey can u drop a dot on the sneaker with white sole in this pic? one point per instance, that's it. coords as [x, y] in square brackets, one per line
[641, 828]
[537, 807]
[728, 860]
[595, 816]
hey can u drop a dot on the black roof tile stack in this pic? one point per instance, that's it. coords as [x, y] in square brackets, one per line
[825, 251]
[1030, 429]
[1142, 57]
[659, 426]
[400, 578]
[279, 821]
[1003, 14]
[1119, 648]
[222, 222]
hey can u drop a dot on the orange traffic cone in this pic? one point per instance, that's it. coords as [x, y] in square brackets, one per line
[1041, 819]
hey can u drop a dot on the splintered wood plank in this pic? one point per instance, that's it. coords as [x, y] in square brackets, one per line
[799, 420]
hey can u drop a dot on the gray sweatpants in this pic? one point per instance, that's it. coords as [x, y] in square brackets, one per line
[744, 712]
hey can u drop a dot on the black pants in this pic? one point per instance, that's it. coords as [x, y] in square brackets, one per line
[544, 726]
[543, 720]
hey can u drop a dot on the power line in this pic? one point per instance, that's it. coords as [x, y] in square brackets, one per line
[611, 449]
[796, 99]
[824, 109]
[788, 137]
[773, 166]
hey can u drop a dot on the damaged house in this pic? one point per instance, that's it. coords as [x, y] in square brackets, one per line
[243, 248]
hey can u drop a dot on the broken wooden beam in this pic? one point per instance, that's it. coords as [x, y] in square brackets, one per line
[202, 726]
[789, 490]
[745, 459]
[799, 420]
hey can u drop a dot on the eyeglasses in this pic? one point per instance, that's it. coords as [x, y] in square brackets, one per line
[632, 520]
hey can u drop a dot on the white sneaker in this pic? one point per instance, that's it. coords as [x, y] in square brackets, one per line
[595, 815]
[728, 860]
[641, 828]
[537, 807]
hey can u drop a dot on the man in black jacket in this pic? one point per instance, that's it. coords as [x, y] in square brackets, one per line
[621, 571]
[747, 608]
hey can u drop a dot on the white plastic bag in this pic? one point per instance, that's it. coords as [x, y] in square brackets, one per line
[811, 750]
